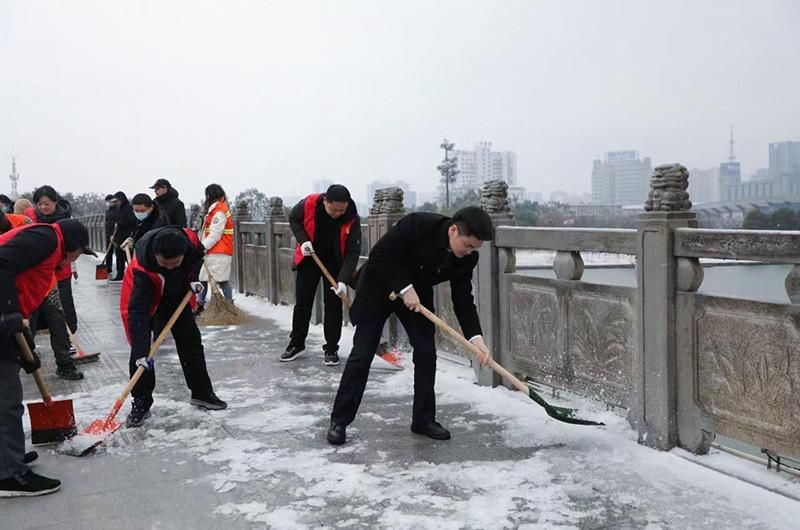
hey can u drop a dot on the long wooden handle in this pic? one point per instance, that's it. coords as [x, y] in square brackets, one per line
[28, 356]
[155, 346]
[128, 253]
[459, 338]
[111, 240]
[333, 282]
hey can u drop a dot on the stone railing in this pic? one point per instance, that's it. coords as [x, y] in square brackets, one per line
[96, 224]
[684, 365]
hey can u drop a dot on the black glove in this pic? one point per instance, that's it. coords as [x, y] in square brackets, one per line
[10, 323]
[32, 366]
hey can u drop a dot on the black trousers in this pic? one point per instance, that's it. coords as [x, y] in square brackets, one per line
[53, 313]
[68, 304]
[190, 352]
[308, 277]
[420, 332]
[121, 260]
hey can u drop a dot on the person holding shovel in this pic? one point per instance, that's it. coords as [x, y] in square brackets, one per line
[327, 225]
[420, 251]
[165, 267]
[217, 239]
[29, 257]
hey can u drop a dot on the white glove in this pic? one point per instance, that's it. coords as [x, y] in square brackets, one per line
[307, 248]
[127, 243]
[340, 289]
[196, 287]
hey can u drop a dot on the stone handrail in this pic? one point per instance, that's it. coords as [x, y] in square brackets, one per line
[611, 240]
[771, 246]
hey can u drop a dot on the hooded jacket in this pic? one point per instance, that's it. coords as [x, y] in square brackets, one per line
[126, 220]
[172, 207]
[156, 219]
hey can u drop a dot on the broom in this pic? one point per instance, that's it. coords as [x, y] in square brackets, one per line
[567, 415]
[219, 311]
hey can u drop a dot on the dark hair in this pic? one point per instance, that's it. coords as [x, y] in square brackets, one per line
[143, 199]
[337, 193]
[473, 221]
[5, 224]
[109, 197]
[214, 193]
[45, 191]
[5, 200]
[170, 243]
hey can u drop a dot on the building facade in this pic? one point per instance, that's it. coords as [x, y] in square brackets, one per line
[621, 178]
[482, 164]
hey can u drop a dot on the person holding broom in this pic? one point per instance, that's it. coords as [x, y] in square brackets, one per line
[29, 257]
[327, 225]
[420, 251]
[217, 239]
[165, 267]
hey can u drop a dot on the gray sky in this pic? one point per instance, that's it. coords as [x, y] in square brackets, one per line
[107, 95]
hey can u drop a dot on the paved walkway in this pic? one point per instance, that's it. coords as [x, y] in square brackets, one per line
[264, 462]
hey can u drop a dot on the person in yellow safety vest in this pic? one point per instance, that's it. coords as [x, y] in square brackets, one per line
[216, 236]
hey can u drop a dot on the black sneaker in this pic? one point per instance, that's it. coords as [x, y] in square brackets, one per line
[30, 457]
[140, 411]
[28, 484]
[73, 351]
[210, 402]
[336, 434]
[69, 372]
[331, 356]
[116, 279]
[292, 353]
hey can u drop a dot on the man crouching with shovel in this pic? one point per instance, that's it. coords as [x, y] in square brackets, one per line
[421, 250]
[29, 255]
[166, 266]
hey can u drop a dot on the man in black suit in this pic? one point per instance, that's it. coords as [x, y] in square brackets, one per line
[420, 251]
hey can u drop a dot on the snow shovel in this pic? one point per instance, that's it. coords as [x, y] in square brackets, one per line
[51, 421]
[390, 357]
[101, 270]
[82, 356]
[99, 430]
[567, 415]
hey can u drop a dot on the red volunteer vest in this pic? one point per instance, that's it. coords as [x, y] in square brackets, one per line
[61, 274]
[309, 224]
[34, 284]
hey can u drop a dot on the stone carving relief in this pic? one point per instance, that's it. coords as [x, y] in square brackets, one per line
[668, 189]
[387, 200]
[534, 320]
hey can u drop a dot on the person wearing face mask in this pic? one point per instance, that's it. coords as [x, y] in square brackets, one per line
[162, 272]
[126, 224]
[6, 204]
[325, 224]
[29, 258]
[148, 217]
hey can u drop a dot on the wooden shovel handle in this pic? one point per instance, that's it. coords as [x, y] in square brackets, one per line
[128, 253]
[27, 354]
[154, 348]
[332, 281]
[459, 338]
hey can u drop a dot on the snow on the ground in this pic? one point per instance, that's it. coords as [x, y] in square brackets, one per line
[247, 449]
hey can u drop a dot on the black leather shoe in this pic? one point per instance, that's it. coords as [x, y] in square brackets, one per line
[432, 429]
[29, 457]
[292, 352]
[336, 434]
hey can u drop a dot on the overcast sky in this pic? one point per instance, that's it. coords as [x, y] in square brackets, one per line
[107, 95]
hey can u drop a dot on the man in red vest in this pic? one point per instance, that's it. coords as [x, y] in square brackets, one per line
[165, 268]
[29, 257]
[327, 225]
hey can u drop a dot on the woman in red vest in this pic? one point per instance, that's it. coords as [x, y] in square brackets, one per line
[217, 238]
[325, 224]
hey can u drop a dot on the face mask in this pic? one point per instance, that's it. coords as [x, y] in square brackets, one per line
[5, 208]
[109, 205]
[141, 216]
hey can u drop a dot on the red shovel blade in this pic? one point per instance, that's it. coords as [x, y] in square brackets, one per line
[101, 272]
[91, 437]
[102, 427]
[52, 422]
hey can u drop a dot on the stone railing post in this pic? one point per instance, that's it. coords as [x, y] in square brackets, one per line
[387, 208]
[654, 395]
[241, 214]
[275, 214]
[494, 200]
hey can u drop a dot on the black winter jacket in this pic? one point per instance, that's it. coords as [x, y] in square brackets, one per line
[126, 220]
[172, 207]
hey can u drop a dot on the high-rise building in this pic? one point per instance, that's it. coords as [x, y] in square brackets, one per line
[621, 178]
[321, 185]
[482, 164]
[784, 166]
[704, 185]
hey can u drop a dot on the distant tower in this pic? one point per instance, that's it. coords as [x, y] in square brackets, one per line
[731, 156]
[14, 176]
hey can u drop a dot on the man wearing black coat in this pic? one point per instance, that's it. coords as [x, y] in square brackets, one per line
[325, 224]
[420, 251]
[168, 201]
[126, 224]
[112, 210]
